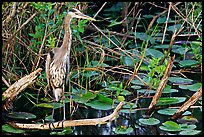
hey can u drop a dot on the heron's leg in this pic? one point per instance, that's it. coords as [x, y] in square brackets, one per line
[64, 117]
[52, 122]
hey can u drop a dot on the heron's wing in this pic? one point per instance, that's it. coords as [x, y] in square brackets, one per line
[47, 69]
[67, 70]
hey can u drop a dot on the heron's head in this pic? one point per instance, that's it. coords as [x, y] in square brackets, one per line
[74, 13]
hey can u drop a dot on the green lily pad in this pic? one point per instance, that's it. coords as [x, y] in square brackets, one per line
[171, 111]
[135, 87]
[149, 121]
[128, 61]
[154, 53]
[84, 97]
[123, 130]
[187, 120]
[146, 91]
[188, 63]
[190, 132]
[10, 129]
[128, 111]
[187, 127]
[168, 89]
[180, 80]
[21, 115]
[193, 87]
[125, 92]
[100, 102]
[170, 126]
[90, 73]
[171, 100]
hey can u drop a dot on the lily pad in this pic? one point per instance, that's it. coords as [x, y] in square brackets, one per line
[188, 63]
[171, 111]
[146, 91]
[149, 121]
[84, 97]
[128, 111]
[154, 53]
[21, 115]
[10, 129]
[190, 132]
[179, 80]
[171, 100]
[193, 87]
[123, 130]
[187, 127]
[168, 89]
[187, 120]
[170, 126]
[128, 61]
[135, 87]
[100, 102]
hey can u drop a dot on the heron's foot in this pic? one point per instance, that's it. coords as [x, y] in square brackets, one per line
[62, 123]
[53, 126]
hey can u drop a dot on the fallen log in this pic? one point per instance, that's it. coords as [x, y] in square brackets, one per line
[68, 123]
[10, 94]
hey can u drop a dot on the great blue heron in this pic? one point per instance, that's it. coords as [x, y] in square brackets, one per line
[58, 60]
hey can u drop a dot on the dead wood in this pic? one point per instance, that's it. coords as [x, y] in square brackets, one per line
[10, 94]
[188, 103]
[161, 85]
[68, 123]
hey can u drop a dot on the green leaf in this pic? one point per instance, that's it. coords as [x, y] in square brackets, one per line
[190, 132]
[171, 111]
[154, 53]
[100, 102]
[149, 121]
[114, 22]
[188, 63]
[135, 87]
[161, 20]
[128, 111]
[21, 115]
[10, 129]
[170, 126]
[193, 87]
[84, 97]
[121, 98]
[90, 73]
[123, 130]
[179, 80]
[171, 100]
[45, 105]
[128, 61]
[179, 50]
[187, 127]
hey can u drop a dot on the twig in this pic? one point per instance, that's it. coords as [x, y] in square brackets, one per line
[188, 103]
[68, 123]
[7, 84]
[161, 85]
[167, 18]
[11, 15]
[9, 39]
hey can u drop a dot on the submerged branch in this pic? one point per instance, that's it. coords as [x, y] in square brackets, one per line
[67, 123]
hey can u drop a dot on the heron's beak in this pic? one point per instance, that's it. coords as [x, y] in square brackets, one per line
[82, 16]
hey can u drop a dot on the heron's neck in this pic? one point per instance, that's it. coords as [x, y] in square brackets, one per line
[67, 35]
